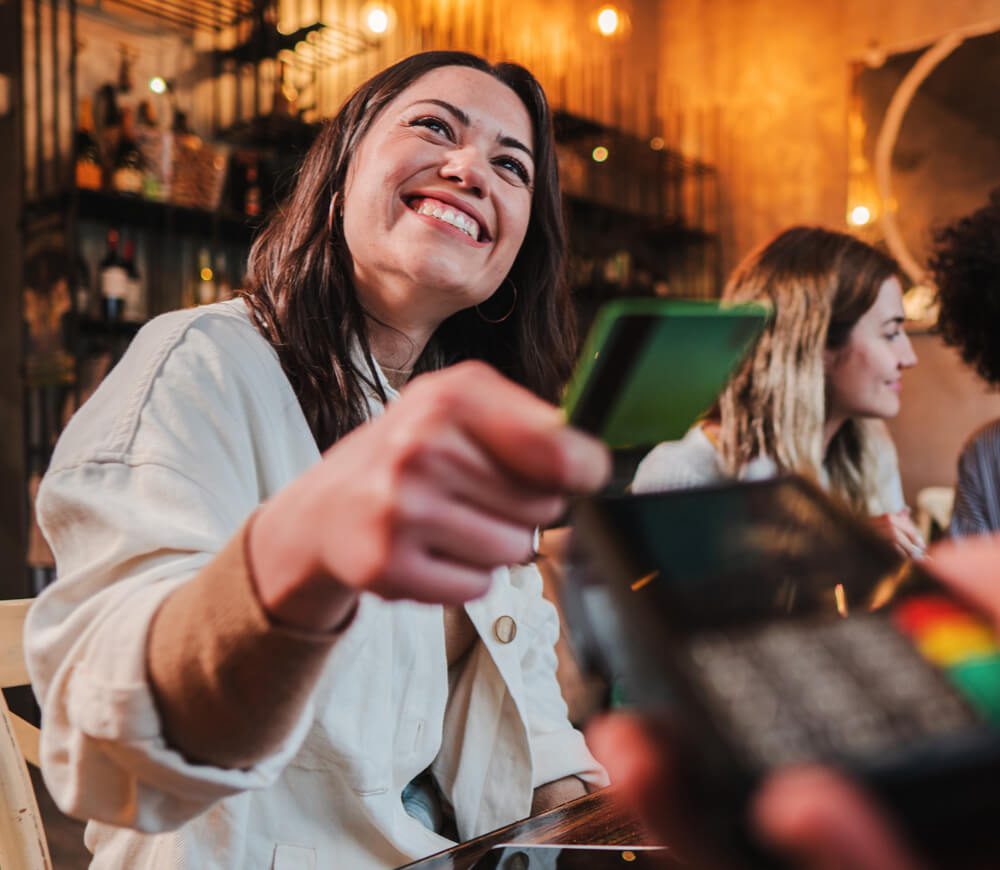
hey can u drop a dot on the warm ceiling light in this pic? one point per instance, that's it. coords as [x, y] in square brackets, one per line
[599, 154]
[158, 85]
[657, 143]
[859, 216]
[378, 18]
[608, 20]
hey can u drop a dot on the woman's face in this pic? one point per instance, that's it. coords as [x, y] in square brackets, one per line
[863, 378]
[438, 197]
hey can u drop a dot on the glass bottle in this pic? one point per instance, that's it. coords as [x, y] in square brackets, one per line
[113, 278]
[89, 171]
[127, 174]
[135, 291]
[109, 126]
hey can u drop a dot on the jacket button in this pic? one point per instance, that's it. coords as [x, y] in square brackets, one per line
[505, 629]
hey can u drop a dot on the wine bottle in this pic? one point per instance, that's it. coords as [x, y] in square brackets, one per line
[109, 126]
[89, 171]
[113, 277]
[150, 141]
[135, 293]
[127, 174]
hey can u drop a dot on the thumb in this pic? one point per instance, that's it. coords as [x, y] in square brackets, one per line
[823, 821]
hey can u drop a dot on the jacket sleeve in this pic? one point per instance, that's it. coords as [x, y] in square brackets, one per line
[970, 515]
[151, 479]
[557, 748]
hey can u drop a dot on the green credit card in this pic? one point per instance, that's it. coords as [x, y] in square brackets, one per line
[651, 367]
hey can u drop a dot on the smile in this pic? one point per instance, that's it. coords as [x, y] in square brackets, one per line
[448, 214]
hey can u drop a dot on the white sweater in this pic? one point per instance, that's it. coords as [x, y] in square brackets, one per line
[194, 428]
[694, 461]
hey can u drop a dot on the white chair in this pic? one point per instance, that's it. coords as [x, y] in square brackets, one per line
[22, 838]
[934, 507]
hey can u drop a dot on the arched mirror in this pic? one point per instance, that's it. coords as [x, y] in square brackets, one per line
[925, 146]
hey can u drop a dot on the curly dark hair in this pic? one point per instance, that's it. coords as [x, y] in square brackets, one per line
[966, 268]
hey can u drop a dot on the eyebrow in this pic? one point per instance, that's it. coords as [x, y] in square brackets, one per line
[462, 117]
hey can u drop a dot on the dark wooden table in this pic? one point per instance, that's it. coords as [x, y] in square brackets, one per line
[595, 819]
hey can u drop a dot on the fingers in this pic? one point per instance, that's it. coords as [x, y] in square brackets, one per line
[459, 532]
[811, 814]
[909, 535]
[423, 502]
[525, 435]
[899, 529]
[638, 756]
[823, 821]
[971, 566]
[417, 575]
[465, 472]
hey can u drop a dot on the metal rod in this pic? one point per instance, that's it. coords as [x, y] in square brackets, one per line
[56, 108]
[39, 141]
[72, 225]
[169, 15]
[216, 13]
[189, 18]
[216, 84]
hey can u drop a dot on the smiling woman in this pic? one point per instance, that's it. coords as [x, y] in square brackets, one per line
[437, 205]
[474, 139]
[274, 639]
[811, 396]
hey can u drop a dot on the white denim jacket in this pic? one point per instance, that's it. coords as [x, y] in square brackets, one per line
[188, 434]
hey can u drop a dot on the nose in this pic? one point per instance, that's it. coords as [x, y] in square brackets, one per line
[907, 355]
[466, 167]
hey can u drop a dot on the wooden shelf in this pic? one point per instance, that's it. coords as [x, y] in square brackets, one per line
[114, 209]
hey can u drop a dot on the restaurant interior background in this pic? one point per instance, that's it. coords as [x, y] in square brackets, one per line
[691, 131]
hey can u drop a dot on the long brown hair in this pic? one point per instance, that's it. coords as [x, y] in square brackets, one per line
[820, 283]
[300, 285]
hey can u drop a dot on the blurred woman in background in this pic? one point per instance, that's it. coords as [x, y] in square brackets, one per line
[811, 396]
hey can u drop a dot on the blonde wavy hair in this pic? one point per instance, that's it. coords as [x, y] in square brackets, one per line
[819, 283]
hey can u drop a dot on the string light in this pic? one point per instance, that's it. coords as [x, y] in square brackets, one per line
[158, 85]
[608, 20]
[379, 18]
[599, 154]
[859, 216]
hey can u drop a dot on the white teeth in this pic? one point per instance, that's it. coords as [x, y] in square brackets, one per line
[457, 219]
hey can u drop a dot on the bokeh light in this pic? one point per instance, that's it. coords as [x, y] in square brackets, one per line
[607, 20]
[859, 216]
[377, 20]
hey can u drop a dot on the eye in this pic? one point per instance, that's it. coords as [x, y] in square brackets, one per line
[512, 164]
[434, 124]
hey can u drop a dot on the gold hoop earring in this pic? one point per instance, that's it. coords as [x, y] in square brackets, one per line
[510, 311]
[333, 210]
